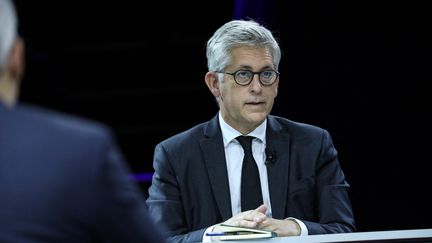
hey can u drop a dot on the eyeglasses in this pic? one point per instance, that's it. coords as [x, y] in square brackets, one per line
[244, 77]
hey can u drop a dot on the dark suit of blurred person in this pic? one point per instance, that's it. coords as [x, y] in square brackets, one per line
[62, 178]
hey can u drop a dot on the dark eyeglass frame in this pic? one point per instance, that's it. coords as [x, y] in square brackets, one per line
[234, 74]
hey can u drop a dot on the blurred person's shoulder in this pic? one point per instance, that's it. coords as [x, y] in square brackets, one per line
[59, 121]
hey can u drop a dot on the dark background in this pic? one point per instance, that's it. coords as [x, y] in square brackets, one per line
[360, 69]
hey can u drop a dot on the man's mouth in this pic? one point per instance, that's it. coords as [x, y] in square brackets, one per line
[254, 103]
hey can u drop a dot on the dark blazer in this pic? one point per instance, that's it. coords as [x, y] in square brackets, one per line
[190, 190]
[63, 179]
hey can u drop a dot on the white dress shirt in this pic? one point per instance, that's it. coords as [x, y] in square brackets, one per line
[234, 159]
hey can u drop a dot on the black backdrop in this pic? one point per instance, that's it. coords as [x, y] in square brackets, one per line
[360, 69]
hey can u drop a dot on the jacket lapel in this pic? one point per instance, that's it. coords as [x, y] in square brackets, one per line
[277, 171]
[214, 157]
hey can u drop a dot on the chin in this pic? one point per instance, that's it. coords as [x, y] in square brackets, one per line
[257, 118]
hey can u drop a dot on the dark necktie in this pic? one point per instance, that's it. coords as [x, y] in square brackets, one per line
[251, 195]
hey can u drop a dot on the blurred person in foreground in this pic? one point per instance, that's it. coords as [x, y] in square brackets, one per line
[199, 176]
[62, 178]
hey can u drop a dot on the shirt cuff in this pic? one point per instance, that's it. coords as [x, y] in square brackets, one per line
[303, 230]
[205, 237]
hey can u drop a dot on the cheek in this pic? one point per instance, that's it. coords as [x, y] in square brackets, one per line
[232, 100]
[275, 88]
[272, 93]
[226, 92]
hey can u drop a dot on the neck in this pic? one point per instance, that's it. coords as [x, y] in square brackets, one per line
[8, 90]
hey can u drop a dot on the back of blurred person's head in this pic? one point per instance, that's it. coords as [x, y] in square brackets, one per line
[11, 54]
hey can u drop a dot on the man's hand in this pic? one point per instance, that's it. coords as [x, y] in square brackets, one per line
[287, 227]
[249, 219]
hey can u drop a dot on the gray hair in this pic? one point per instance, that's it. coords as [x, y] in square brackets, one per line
[8, 30]
[238, 33]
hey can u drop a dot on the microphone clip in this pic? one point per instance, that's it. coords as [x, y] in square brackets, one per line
[270, 156]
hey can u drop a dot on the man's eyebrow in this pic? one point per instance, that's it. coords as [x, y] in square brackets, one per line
[248, 67]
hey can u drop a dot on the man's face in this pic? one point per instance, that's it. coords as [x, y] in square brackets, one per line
[246, 107]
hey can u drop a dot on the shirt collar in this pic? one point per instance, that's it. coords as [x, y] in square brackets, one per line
[229, 133]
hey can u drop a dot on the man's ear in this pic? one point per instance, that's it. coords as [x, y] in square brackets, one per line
[212, 83]
[16, 62]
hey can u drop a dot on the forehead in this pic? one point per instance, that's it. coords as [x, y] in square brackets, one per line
[251, 57]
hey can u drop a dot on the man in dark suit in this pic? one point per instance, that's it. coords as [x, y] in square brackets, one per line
[62, 178]
[199, 173]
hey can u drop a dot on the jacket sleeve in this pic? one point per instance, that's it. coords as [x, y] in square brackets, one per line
[334, 207]
[165, 201]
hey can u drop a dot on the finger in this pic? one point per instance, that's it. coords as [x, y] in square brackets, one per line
[262, 209]
[248, 224]
[253, 215]
[236, 220]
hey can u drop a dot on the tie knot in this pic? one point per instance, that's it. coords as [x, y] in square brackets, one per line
[246, 142]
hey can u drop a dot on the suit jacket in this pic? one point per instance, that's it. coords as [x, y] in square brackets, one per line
[63, 179]
[190, 190]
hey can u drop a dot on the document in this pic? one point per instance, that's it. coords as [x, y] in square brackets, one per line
[229, 232]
